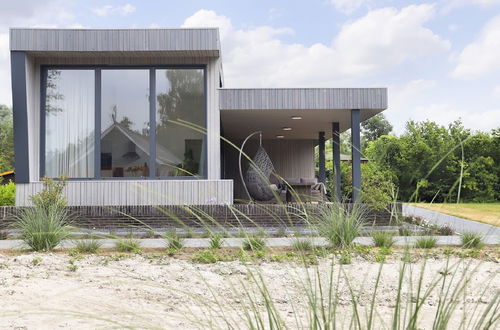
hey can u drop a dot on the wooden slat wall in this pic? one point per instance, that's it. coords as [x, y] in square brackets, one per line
[303, 98]
[138, 192]
[203, 41]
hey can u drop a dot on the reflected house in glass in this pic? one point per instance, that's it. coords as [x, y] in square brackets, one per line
[140, 116]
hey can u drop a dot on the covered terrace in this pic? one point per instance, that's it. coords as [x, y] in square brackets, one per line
[293, 122]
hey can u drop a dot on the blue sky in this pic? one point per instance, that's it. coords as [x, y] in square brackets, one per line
[440, 59]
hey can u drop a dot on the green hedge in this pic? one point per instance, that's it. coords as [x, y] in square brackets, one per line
[8, 194]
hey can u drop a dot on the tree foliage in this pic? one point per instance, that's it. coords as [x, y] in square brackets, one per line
[6, 139]
[430, 162]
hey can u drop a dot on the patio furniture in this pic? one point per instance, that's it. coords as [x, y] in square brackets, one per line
[257, 179]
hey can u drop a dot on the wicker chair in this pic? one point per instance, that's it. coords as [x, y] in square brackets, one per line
[257, 179]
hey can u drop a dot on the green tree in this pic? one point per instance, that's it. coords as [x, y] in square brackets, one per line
[6, 139]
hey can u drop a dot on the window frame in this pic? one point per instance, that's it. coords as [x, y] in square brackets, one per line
[97, 117]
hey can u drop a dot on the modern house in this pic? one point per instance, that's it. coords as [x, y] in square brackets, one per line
[141, 117]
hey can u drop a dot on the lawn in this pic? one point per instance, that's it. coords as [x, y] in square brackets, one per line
[487, 213]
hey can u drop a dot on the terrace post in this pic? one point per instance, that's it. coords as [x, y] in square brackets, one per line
[356, 155]
[321, 157]
[336, 160]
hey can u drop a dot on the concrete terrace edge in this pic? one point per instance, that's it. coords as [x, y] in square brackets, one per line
[270, 242]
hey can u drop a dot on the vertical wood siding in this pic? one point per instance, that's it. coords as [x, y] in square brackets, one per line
[303, 98]
[204, 41]
[137, 192]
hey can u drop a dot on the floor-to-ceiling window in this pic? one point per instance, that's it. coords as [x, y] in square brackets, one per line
[138, 139]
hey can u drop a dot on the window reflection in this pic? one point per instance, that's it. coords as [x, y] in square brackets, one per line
[125, 123]
[180, 116]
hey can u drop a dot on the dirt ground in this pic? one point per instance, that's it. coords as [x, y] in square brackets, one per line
[55, 290]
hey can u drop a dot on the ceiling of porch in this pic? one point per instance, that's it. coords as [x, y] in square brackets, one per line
[240, 123]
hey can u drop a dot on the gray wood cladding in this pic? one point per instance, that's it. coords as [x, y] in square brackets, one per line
[198, 41]
[137, 192]
[303, 98]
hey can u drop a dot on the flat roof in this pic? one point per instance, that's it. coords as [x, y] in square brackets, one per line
[271, 109]
[182, 42]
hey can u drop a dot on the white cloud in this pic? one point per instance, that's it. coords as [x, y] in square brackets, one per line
[114, 10]
[496, 91]
[445, 113]
[380, 40]
[482, 56]
[347, 6]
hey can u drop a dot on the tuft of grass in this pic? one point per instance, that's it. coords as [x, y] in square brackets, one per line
[302, 245]
[471, 240]
[254, 243]
[3, 234]
[206, 257]
[42, 229]
[383, 239]
[403, 231]
[427, 242]
[36, 261]
[216, 241]
[128, 245]
[174, 241]
[345, 258]
[341, 225]
[87, 246]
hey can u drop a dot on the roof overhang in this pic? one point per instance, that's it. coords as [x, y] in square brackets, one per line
[270, 110]
[199, 42]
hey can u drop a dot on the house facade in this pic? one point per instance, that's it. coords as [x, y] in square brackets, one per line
[141, 117]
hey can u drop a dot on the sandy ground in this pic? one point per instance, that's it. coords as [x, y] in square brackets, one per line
[162, 292]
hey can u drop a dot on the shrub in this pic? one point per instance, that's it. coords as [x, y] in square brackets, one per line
[174, 241]
[206, 257]
[8, 194]
[302, 245]
[87, 246]
[446, 231]
[52, 194]
[471, 240]
[128, 245]
[3, 234]
[383, 239]
[254, 244]
[341, 225]
[428, 242]
[216, 241]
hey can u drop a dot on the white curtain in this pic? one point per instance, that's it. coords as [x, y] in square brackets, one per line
[69, 123]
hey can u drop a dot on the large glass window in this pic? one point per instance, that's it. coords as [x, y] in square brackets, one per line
[180, 113]
[138, 139]
[125, 123]
[69, 123]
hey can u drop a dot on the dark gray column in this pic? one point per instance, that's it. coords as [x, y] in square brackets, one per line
[336, 160]
[321, 156]
[20, 113]
[356, 155]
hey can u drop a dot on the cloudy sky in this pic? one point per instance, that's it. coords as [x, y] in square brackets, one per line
[440, 59]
